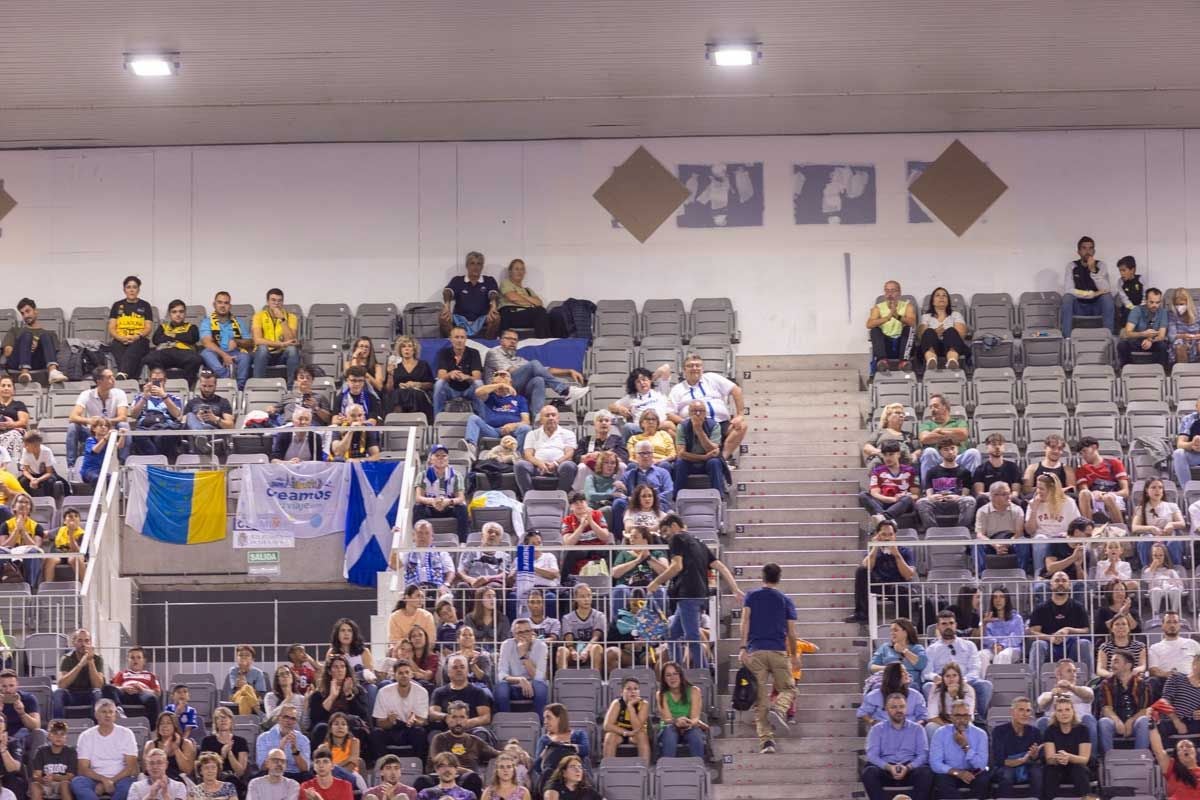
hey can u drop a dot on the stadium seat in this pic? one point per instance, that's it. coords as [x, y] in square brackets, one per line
[1143, 382]
[1042, 419]
[681, 779]
[701, 510]
[42, 652]
[1101, 421]
[657, 350]
[624, 779]
[524, 726]
[605, 390]
[993, 313]
[718, 355]
[1134, 770]
[580, 690]
[616, 318]
[53, 318]
[398, 440]
[421, 320]
[1039, 311]
[1001, 419]
[87, 322]
[1091, 346]
[664, 318]
[643, 675]
[952, 384]
[1043, 348]
[544, 510]
[501, 514]
[1092, 383]
[895, 387]
[611, 355]
[324, 355]
[328, 321]
[714, 315]
[994, 385]
[377, 320]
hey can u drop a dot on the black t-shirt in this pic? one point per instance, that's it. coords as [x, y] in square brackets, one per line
[948, 480]
[471, 694]
[1052, 618]
[692, 582]
[985, 473]
[60, 763]
[12, 720]
[131, 317]
[219, 405]
[212, 744]
[1060, 550]
[468, 363]
[578, 793]
[13, 409]
[1068, 742]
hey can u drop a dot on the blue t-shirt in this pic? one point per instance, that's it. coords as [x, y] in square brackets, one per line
[770, 610]
[12, 720]
[471, 299]
[224, 331]
[503, 410]
[187, 719]
[91, 459]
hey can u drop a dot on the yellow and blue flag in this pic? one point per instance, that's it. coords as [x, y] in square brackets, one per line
[177, 507]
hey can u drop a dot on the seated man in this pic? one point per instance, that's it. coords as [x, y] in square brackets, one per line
[356, 391]
[137, 685]
[507, 413]
[155, 409]
[950, 647]
[958, 755]
[302, 394]
[440, 493]
[892, 322]
[1071, 556]
[698, 448]
[424, 566]
[1065, 685]
[548, 450]
[995, 468]
[1058, 624]
[1146, 331]
[522, 669]
[323, 785]
[1181, 692]
[401, 713]
[470, 302]
[938, 425]
[642, 470]
[479, 568]
[105, 401]
[1187, 446]
[208, 411]
[29, 346]
[1125, 704]
[477, 700]
[276, 333]
[272, 783]
[459, 373]
[893, 488]
[1017, 751]
[157, 784]
[530, 378]
[1102, 483]
[449, 781]
[1087, 290]
[722, 399]
[107, 757]
[897, 754]
[175, 343]
[285, 735]
[998, 523]
[1054, 463]
[224, 342]
[130, 321]
[80, 675]
[21, 715]
[890, 564]
[947, 489]
[1173, 654]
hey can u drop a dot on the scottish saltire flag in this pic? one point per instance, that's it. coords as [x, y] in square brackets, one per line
[177, 507]
[370, 516]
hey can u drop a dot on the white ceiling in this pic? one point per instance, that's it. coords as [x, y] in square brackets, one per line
[411, 70]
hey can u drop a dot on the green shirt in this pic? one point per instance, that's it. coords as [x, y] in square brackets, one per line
[952, 422]
[642, 574]
[82, 682]
[681, 440]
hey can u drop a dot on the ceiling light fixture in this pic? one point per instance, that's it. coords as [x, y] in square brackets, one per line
[152, 65]
[733, 55]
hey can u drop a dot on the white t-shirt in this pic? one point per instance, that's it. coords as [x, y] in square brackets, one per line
[1161, 515]
[652, 400]
[1053, 525]
[1175, 655]
[550, 447]
[389, 701]
[106, 754]
[40, 464]
[93, 406]
[141, 790]
[713, 389]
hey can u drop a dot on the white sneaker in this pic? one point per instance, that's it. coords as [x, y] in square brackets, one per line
[471, 449]
[576, 392]
[57, 376]
[779, 723]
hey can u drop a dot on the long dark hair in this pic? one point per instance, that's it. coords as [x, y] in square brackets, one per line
[1008, 609]
[631, 381]
[949, 302]
[425, 651]
[356, 645]
[685, 686]
[326, 671]
[635, 502]
[893, 680]
[963, 605]
[174, 724]
[409, 591]
[371, 362]
[329, 730]
[1182, 773]
[276, 687]
[561, 769]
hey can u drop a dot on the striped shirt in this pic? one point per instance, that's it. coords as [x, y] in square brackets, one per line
[1182, 694]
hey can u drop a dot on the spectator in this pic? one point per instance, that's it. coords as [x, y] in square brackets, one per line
[604, 439]
[105, 401]
[947, 489]
[1187, 446]
[460, 688]
[94, 448]
[1114, 575]
[29, 346]
[479, 569]
[633, 570]
[558, 740]
[603, 484]
[1172, 654]
[627, 721]
[642, 394]
[472, 752]
[697, 446]
[179, 753]
[1163, 582]
[1124, 704]
[426, 567]
[1003, 632]
[459, 373]
[1017, 750]
[545, 576]
[999, 522]
[680, 714]
[14, 422]
[1065, 686]
[958, 755]
[448, 624]
[1130, 291]
[583, 628]
[299, 444]
[232, 752]
[336, 690]
[891, 323]
[68, 539]
[1068, 750]
[410, 381]
[721, 396]
[663, 442]
[1071, 556]
[224, 342]
[158, 784]
[347, 640]
[107, 757]
[887, 564]
[768, 649]
[581, 528]
[1049, 515]
[359, 442]
[1056, 625]
[243, 673]
[1052, 463]
[1116, 603]
[1180, 772]
[505, 783]
[544, 626]
[24, 535]
[362, 354]
[284, 691]
[891, 429]
[642, 472]
[274, 784]
[276, 333]
[531, 378]
[357, 390]
[21, 715]
[303, 666]
[938, 425]
[1146, 331]
[995, 468]
[485, 619]
[1182, 691]
[470, 302]
[175, 343]
[401, 713]
[893, 680]
[893, 487]
[520, 307]
[904, 647]
[1155, 517]
[942, 332]
[410, 612]
[156, 409]
[390, 770]
[507, 413]
[548, 451]
[522, 669]
[897, 753]
[129, 324]
[301, 395]
[39, 477]
[1102, 482]
[210, 786]
[208, 411]
[54, 765]
[1183, 327]
[137, 685]
[1087, 288]
[951, 648]
[440, 493]
[570, 782]
[80, 675]
[323, 785]
[188, 719]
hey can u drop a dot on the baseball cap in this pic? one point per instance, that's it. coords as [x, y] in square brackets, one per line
[438, 448]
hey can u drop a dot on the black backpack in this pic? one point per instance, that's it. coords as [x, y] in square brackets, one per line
[745, 690]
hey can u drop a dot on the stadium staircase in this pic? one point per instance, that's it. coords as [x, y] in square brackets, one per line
[795, 503]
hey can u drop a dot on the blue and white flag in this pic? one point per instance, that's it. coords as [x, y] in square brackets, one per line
[370, 515]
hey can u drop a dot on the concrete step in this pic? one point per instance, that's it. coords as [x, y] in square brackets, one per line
[828, 644]
[827, 487]
[834, 674]
[842, 414]
[850, 361]
[827, 565]
[800, 589]
[795, 500]
[768, 397]
[797, 529]
[777, 434]
[814, 428]
[756, 768]
[805, 544]
[803, 449]
[739, 516]
[801, 785]
[751, 461]
[816, 662]
[749, 471]
[830, 386]
[789, 745]
[825, 620]
[776, 373]
[844, 726]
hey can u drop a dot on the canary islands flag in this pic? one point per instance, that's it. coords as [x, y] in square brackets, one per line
[177, 507]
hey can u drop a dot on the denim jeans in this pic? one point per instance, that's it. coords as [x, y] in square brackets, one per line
[26, 356]
[507, 692]
[903, 505]
[712, 467]
[685, 625]
[1073, 306]
[968, 459]
[1141, 734]
[477, 427]
[1145, 545]
[85, 788]
[1183, 461]
[531, 380]
[670, 736]
[443, 392]
[265, 357]
[77, 435]
[242, 362]
[1023, 552]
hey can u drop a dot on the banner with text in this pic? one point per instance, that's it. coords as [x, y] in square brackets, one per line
[307, 499]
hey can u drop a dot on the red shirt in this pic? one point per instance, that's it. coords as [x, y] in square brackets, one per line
[139, 676]
[571, 523]
[1177, 790]
[338, 790]
[305, 676]
[1104, 477]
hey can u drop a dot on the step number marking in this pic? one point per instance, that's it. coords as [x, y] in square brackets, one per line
[745, 374]
[741, 487]
[737, 571]
[737, 613]
[730, 716]
[739, 528]
[743, 449]
[727, 758]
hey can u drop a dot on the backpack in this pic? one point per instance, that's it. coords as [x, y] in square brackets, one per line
[745, 690]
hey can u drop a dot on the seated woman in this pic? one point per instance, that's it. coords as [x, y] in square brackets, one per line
[628, 721]
[283, 693]
[1113, 567]
[362, 354]
[23, 534]
[570, 782]
[891, 428]
[1181, 772]
[603, 483]
[479, 662]
[1003, 632]
[67, 542]
[904, 647]
[359, 442]
[644, 509]
[410, 380]
[1183, 328]
[558, 740]
[644, 391]
[14, 420]
[1115, 602]
[1163, 582]
[486, 620]
[942, 332]
[232, 751]
[346, 750]
[633, 570]
[1121, 638]
[894, 680]
[942, 696]
[1155, 518]
[664, 443]
[336, 691]
[680, 714]
[424, 657]
[297, 443]
[168, 737]
[520, 307]
[1067, 752]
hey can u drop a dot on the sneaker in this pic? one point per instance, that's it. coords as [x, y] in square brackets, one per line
[779, 722]
[57, 376]
[447, 295]
[576, 392]
[471, 449]
[493, 297]
[25, 377]
[202, 445]
[767, 747]
[856, 619]
[883, 365]
[121, 376]
[876, 519]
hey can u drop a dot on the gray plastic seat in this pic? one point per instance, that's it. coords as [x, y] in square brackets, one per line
[624, 779]
[1039, 311]
[611, 355]
[664, 318]
[616, 318]
[1043, 348]
[421, 320]
[993, 312]
[1101, 421]
[659, 350]
[991, 386]
[1002, 419]
[1091, 346]
[377, 320]
[1042, 419]
[329, 321]
[681, 779]
[714, 315]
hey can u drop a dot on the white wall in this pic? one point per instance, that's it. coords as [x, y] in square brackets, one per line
[392, 221]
